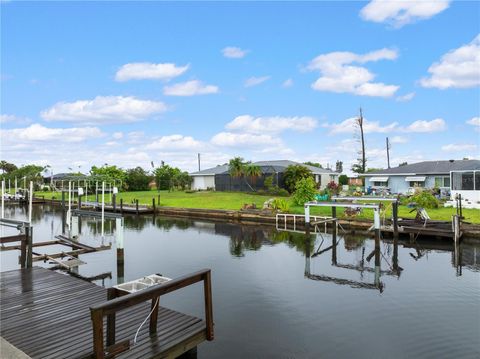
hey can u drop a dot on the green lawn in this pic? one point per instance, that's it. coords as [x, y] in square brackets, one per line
[235, 200]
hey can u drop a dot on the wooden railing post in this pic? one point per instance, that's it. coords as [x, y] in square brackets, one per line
[207, 288]
[97, 321]
[111, 294]
[154, 315]
[28, 238]
[23, 252]
[121, 205]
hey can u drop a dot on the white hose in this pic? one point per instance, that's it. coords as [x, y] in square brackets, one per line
[141, 325]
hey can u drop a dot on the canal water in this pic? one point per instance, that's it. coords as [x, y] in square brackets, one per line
[282, 295]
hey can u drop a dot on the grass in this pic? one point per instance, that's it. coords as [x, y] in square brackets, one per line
[235, 201]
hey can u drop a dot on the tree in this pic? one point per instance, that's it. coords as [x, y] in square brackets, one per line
[236, 167]
[7, 167]
[343, 179]
[339, 167]
[252, 171]
[164, 177]
[305, 190]
[361, 164]
[314, 164]
[403, 164]
[295, 173]
[137, 179]
[109, 173]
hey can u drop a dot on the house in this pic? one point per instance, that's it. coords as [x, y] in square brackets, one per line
[450, 177]
[218, 178]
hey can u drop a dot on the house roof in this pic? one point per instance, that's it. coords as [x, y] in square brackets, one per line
[429, 167]
[266, 166]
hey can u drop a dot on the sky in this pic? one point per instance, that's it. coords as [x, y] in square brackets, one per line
[136, 83]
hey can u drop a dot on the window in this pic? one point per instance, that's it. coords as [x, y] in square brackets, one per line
[462, 181]
[442, 182]
[417, 184]
[477, 181]
[379, 184]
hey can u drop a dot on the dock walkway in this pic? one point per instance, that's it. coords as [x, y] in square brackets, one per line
[47, 315]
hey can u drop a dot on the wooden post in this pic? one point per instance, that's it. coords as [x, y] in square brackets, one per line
[334, 215]
[28, 237]
[334, 242]
[207, 289]
[153, 204]
[114, 202]
[111, 294]
[136, 205]
[63, 199]
[121, 205]
[395, 219]
[23, 252]
[79, 202]
[154, 315]
[158, 200]
[97, 322]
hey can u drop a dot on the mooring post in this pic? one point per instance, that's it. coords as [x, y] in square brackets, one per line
[136, 206]
[334, 241]
[158, 200]
[63, 199]
[307, 219]
[334, 216]
[153, 204]
[114, 202]
[395, 219]
[29, 234]
[121, 205]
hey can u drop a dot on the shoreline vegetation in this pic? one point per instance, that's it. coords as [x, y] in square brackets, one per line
[236, 200]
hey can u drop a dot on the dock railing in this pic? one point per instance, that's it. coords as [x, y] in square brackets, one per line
[153, 293]
[294, 221]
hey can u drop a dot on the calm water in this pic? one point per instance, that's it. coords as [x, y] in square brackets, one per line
[277, 295]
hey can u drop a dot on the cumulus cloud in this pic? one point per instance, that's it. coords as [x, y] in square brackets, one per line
[14, 119]
[189, 88]
[407, 97]
[340, 76]
[149, 71]
[117, 135]
[435, 125]
[456, 147]
[174, 142]
[398, 139]
[350, 126]
[254, 81]
[474, 121]
[234, 52]
[104, 109]
[459, 68]
[230, 139]
[37, 132]
[401, 12]
[276, 124]
[287, 83]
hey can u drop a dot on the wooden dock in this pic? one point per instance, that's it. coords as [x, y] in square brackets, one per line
[50, 315]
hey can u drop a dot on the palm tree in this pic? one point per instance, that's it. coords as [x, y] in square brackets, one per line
[236, 167]
[252, 171]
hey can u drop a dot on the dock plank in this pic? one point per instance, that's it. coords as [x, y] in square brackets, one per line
[47, 315]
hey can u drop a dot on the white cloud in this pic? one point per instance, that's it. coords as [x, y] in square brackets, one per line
[475, 121]
[230, 139]
[401, 12]
[338, 75]
[104, 109]
[175, 142]
[117, 135]
[254, 81]
[37, 132]
[234, 52]
[454, 147]
[287, 83]
[189, 88]
[14, 119]
[149, 71]
[407, 97]
[459, 68]
[398, 139]
[275, 124]
[435, 125]
[350, 126]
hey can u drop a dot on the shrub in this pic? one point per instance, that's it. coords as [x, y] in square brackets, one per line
[333, 187]
[279, 204]
[305, 190]
[343, 179]
[425, 199]
[293, 174]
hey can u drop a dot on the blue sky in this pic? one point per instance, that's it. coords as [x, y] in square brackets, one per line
[129, 83]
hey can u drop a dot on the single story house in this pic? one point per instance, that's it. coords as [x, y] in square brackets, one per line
[450, 177]
[218, 178]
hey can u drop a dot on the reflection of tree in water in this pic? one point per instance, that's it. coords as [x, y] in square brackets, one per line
[95, 225]
[243, 238]
[295, 240]
[169, 223]
[352, 242]
[137, 223]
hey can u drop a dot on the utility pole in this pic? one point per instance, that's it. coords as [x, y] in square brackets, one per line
[360, 124]
[199, 162]
[388, 154]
